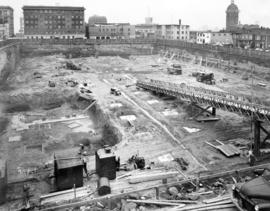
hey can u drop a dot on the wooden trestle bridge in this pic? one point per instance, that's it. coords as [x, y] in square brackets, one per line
[217, 99]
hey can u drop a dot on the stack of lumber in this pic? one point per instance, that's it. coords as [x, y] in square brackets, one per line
[151, 177]
[66, 195]
[227, 149]
[218, 203]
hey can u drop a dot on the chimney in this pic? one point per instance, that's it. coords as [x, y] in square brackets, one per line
[180, 22]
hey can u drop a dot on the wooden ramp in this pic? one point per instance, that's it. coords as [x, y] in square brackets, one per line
[228, 150]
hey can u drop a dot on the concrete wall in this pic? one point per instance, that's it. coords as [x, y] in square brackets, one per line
[9, 58]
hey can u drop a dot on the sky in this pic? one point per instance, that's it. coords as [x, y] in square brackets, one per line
[199, 14]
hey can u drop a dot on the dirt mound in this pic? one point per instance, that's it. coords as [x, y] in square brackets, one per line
[12, 108]
[46, 99]
[110, 133]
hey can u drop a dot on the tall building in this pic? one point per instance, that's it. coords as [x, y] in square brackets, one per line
[6, 22]
[232, 16]
[21, 26]
[43, 22]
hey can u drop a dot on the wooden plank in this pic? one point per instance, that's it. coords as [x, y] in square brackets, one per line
[156, 202]
[209, 119]
[225, 151]
[201, 193]
[151, 177]
[93, 103]
[212, 145]
[62, 192]
[236, 150]
[217, 199]
[218, 207]
[199, 206]
[179, 201]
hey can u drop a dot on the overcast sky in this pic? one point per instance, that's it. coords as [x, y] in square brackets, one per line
[199, 14]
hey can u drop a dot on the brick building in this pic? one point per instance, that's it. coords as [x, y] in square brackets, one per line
[44, 22]
[112, 31]
[252, 38]
[6, 22]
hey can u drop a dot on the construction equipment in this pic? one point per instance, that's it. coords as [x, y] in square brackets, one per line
[85, 92]
[253, 195]
[71, 66]
[175, 69]
[139, 162]
[207, 78]
[71, 83]
[52, 84]
[115, 91]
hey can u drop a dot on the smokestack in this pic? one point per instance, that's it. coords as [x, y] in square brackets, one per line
[180, 22]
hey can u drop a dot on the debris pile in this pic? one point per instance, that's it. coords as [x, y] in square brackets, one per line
[71, 66]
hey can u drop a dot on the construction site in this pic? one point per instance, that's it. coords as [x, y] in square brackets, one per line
[131, 126]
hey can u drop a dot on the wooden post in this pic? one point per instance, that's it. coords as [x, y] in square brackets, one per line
[74, 188]
[157, 192]
[109, 203]
[213, 111]
[257, 138]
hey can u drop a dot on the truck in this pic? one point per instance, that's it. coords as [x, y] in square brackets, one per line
[175, 69]
[85, 92]
[207, 78]
[253, 195]
[115, 91]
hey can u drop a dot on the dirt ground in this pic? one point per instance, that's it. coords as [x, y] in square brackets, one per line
[156, 130]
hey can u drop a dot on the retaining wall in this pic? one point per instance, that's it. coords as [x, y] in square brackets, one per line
[9, 59]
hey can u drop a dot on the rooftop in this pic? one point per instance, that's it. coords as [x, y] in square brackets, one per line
[232, 7]
[52, 7]
[68, 159]
[6, 7]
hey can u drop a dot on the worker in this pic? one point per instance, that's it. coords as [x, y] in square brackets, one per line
[26, 197]
[251, 158]
[84, 159]
[81, 149]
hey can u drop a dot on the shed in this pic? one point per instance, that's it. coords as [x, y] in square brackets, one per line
[68, 172]
[106, 164]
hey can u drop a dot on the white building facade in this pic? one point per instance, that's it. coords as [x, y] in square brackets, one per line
[214, 38]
